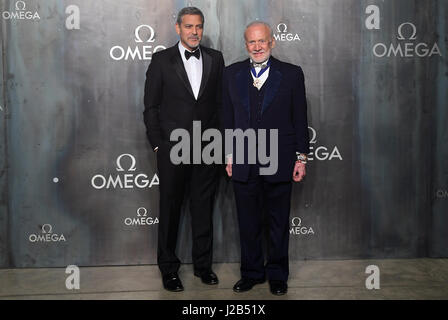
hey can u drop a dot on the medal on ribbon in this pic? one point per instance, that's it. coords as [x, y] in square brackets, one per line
[257, 81]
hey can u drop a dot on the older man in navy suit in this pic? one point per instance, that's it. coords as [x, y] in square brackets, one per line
[265, 93]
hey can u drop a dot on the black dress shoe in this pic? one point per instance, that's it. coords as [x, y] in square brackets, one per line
[278, 287]
[208, 277]
[245, 284]
[171, 282]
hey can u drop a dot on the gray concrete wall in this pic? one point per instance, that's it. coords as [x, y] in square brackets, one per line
[377, 186]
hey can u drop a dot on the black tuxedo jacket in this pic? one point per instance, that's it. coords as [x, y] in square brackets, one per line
[169, 100]
[284, 108]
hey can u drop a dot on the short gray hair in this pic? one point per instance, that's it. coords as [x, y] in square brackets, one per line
[258, 22]
[189, 10]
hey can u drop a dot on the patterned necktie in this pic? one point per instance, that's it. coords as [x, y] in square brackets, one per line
[264, 66]
[261, 65]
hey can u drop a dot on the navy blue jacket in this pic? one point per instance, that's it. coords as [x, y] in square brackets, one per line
[284, 108]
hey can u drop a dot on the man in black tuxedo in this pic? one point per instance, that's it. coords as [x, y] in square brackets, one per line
[265, 93]
[183, 84]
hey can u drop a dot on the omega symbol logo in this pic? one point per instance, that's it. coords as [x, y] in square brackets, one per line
[296, 222]
[279, 29]
[137, 33]
[298, 230]
[145, 211]
[142, 50]
[313, 135]
[142, 219]
[400, 31]
[50, 228]
[131, 168]
[284, 35]
[18, 5]
[407, 46]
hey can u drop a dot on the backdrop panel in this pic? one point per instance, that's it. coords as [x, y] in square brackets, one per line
[78, 179]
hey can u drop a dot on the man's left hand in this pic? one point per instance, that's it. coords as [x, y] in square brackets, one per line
[299, 171]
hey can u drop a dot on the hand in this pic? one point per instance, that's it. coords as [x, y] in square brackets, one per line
[299, 171]
[229, 166]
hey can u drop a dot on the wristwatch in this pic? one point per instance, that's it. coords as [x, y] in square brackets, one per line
[301, 157]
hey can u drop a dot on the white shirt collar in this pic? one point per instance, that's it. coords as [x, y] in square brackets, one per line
[251, 61]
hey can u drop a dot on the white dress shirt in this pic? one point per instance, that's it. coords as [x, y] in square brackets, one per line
[262, 79]
[193, 67]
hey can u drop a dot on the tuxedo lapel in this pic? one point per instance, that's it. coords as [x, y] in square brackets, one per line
[180, 68]
[206, 69]
[272, 84]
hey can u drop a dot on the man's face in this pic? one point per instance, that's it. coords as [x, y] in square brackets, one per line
[259, 42]
[190, 31]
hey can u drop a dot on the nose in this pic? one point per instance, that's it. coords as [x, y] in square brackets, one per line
[257, 46]
[195, 30]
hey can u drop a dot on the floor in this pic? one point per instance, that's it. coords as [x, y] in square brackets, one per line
[419, 279]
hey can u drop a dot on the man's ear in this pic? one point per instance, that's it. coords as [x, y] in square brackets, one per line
[177, 28]
[272, 43]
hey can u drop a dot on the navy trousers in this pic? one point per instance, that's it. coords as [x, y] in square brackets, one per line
[251, 197]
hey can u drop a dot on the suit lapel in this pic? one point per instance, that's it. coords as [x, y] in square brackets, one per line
[272, 84]
[206, 69]
[242, 81]
[178, 64]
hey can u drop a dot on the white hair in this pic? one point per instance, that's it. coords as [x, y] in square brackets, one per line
[258, 22]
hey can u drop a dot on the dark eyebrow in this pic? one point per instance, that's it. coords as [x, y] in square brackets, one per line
[198, 25]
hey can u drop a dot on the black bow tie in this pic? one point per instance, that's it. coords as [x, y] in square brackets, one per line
[196, 53]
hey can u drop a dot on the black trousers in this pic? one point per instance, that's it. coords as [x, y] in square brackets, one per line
[201, 181]
[251, 197]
